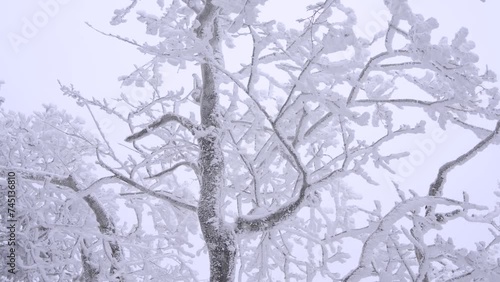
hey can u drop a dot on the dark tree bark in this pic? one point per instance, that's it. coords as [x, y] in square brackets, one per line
[218, 236]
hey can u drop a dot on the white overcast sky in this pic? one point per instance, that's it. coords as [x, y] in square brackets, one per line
[63, 47]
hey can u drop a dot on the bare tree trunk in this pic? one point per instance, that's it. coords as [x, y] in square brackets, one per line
[90, 271]
[105, 221]
[218, 236]
[107, 228]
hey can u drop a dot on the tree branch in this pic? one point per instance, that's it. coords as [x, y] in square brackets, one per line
[366, 70]
[385, 226]
[141, 188]
[191, 165]
[188, 124]
[251, 223]
[436, 188]
[400, 102]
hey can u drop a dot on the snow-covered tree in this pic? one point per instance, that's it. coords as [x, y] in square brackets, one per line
[47, 152]
[66, 228]
[282, 131]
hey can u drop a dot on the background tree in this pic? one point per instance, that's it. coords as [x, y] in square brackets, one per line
[270, 156]
[66, 217]
[46, 150]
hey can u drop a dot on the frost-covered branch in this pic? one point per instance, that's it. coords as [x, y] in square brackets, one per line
[191, 165]
[162, 196]
[366, 70]
[129, 41]
[267, 221]
[384, 227]
[436, 188]
[189, 125]
[400, 102]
